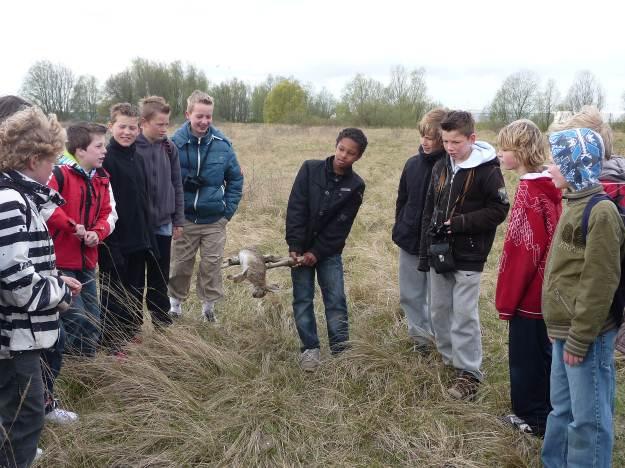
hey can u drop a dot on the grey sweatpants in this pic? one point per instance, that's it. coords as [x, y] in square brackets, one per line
[455, 319]
[414, 298]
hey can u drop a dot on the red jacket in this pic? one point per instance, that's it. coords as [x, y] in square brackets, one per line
[88, 202]
[533, 219]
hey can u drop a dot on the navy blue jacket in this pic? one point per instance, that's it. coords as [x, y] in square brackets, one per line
[212, 158]
[322, 208]
[411, 195]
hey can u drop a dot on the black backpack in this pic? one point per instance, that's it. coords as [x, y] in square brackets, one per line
[618, 302]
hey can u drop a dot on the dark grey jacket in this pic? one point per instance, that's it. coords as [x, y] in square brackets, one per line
[164, 182]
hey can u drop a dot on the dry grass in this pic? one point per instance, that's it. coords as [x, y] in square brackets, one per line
[233, 395]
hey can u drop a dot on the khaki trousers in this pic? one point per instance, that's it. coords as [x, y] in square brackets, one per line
[210, 239]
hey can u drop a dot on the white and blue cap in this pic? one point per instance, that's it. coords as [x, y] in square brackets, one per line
[578, 153]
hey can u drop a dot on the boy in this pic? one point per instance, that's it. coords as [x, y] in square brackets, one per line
[33, 291]
[213, 186]
[323, 204]
[123, 254]
[533, 219]
[414, 288]
[580, 281]
[79, 226]
[166, 200]
[466, 202]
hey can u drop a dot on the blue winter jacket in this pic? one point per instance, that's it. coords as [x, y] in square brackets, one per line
[212, 158]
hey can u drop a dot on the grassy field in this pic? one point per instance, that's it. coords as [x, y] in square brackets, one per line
[232, 394]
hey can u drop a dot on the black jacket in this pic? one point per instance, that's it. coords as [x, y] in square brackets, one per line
[322, 208]
[474, 216]
[133, 231]
[411, 194]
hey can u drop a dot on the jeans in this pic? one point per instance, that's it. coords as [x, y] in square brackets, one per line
[21, 408]
[82, 320]
[51, 363]
[330, 278]
[580, 431]
[414, 298]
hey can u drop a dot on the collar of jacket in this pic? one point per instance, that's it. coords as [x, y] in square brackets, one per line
[574, 196]
[68, 159]
[142, 140]
[125, 150]
[184, 135]
[433, 155]
[330, 168]
[39, 194]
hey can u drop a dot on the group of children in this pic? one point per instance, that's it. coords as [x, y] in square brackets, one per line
[59, 221]
[558, 271]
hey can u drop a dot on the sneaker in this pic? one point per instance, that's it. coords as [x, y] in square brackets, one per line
[175, 307]
[465, 387]
[518, 423]
[208, 311]
[309, 360]
[38, 454]
[60, 416]
[423, 349]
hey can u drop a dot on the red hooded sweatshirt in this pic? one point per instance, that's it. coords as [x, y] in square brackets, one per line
[533, 219]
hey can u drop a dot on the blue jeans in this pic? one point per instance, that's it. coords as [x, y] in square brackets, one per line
[82, 321]
[580, 430]
[330, 277]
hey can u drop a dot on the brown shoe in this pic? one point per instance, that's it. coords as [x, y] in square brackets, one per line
[465, 387]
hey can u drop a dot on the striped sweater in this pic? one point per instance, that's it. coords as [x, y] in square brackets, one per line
[30, 289]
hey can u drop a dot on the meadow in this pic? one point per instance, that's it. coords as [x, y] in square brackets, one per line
[232, 394]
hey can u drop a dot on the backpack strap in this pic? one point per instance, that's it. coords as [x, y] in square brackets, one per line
[60, 178]
[589, 206]
[5, 184]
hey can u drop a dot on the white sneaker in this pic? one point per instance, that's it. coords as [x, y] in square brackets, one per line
[38, 454]
[61, 416]
[309, 360]
[175, 307]
[208, 311]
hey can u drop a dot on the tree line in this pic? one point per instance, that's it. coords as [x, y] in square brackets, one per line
[364, 101]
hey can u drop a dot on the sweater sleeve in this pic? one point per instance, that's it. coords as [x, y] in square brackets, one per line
[297, 212]
[599, 278]
[494, 211]
[233, 178]
[176, 181]
[402, 194]
[20, 285]
[426, 220]
[523, 257]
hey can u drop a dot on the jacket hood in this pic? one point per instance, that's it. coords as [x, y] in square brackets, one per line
[184, 135]
[481, 153]
[578, 153]
[543, 182]
[613, 169]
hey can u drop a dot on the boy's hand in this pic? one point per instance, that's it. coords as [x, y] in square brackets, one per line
[177, 234]
[73, 284]
[91, 239]
[309, 259]
[448, 224]
[571, 359]
[80, 231]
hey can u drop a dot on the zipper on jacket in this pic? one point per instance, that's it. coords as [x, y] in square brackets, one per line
[197, 193]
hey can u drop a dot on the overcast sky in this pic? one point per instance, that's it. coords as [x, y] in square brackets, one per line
[467, 47]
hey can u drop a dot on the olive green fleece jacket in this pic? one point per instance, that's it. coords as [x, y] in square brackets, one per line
[580, 279]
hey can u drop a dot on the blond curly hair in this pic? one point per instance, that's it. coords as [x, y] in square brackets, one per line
[27, 134]
[527, 141]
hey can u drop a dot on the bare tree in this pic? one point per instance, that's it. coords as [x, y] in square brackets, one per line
[85, 98]
[548, 101]
[516, 99]
[407, 96]
[50, 86]
[585, 91]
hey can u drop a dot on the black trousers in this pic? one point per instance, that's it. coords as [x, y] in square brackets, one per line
[21, 408]
[157, 279]
[529, 354]
[122, 284]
